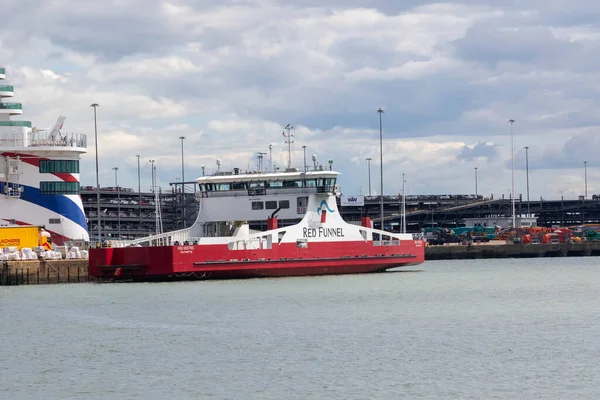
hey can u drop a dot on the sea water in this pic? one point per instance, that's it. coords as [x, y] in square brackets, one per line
[477, 329]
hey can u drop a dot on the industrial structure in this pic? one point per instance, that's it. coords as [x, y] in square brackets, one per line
[450, 211]
[129, 214]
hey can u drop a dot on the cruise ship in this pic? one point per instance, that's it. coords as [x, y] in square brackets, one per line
[39, 174]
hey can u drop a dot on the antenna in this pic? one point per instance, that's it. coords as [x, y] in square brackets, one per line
[260, 161]
[218, 165]
[314, 158]
[270, 156]
[288, 140]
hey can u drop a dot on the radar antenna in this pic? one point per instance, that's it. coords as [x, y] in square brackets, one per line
[57, 127]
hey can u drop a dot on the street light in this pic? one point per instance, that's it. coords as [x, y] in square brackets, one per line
[116, 169]
[157, 205]
[527, 175]
[182, 185]
[512, 153]
[585, 177]
[95, 105]
[403, 206]
[380, 111]
[152, 184]
[139, 191]
[475, 182]
[369, 169]
[562, 209]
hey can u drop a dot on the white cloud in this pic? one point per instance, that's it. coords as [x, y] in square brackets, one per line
[229, 75]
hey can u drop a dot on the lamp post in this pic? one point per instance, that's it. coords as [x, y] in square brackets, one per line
[157, 205]
[116, 169]
[380, 111]
[512, 153]
[96, 105]
[527, 177]
[403, 206]
[152, 184]
[139, 191]
[475, 182]
[369, 169]
[182, 185]
[585, 177]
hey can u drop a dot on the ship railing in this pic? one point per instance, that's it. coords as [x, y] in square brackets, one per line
[61, 140]
[269, 191]
[43, 139]
[162, 239]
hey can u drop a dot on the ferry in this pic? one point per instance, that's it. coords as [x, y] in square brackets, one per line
[224, 242]
[39, 174]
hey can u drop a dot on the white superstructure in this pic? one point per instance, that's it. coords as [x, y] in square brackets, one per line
[39, 174]
[256, 196]
[227, 200]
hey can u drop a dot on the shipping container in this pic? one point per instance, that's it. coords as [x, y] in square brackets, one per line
[23, 236]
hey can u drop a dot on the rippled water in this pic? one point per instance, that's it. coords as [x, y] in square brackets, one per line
[482, 329]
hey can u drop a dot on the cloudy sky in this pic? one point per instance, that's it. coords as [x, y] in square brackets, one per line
[230, 74]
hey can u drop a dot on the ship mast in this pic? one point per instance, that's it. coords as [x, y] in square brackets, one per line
[260, 157]
[288, 140]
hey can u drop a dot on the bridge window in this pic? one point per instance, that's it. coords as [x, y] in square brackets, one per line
[292, 183]
[257, 205]
[302, 201]
[284, 203]
[325, 181]
[270, 205]
[59, 166]
[59, 188]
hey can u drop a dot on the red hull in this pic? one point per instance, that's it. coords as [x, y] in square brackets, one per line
[219, 262]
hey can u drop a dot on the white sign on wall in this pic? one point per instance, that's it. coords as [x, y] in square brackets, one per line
[357, 201]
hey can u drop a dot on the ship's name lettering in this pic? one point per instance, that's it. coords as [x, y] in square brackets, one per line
[185, 249]
[322, 232]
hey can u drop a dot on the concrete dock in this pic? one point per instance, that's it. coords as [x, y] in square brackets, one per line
[37, 272]
[502, 250]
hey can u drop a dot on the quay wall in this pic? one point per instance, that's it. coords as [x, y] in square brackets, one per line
[34, 272]
[477, 251]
